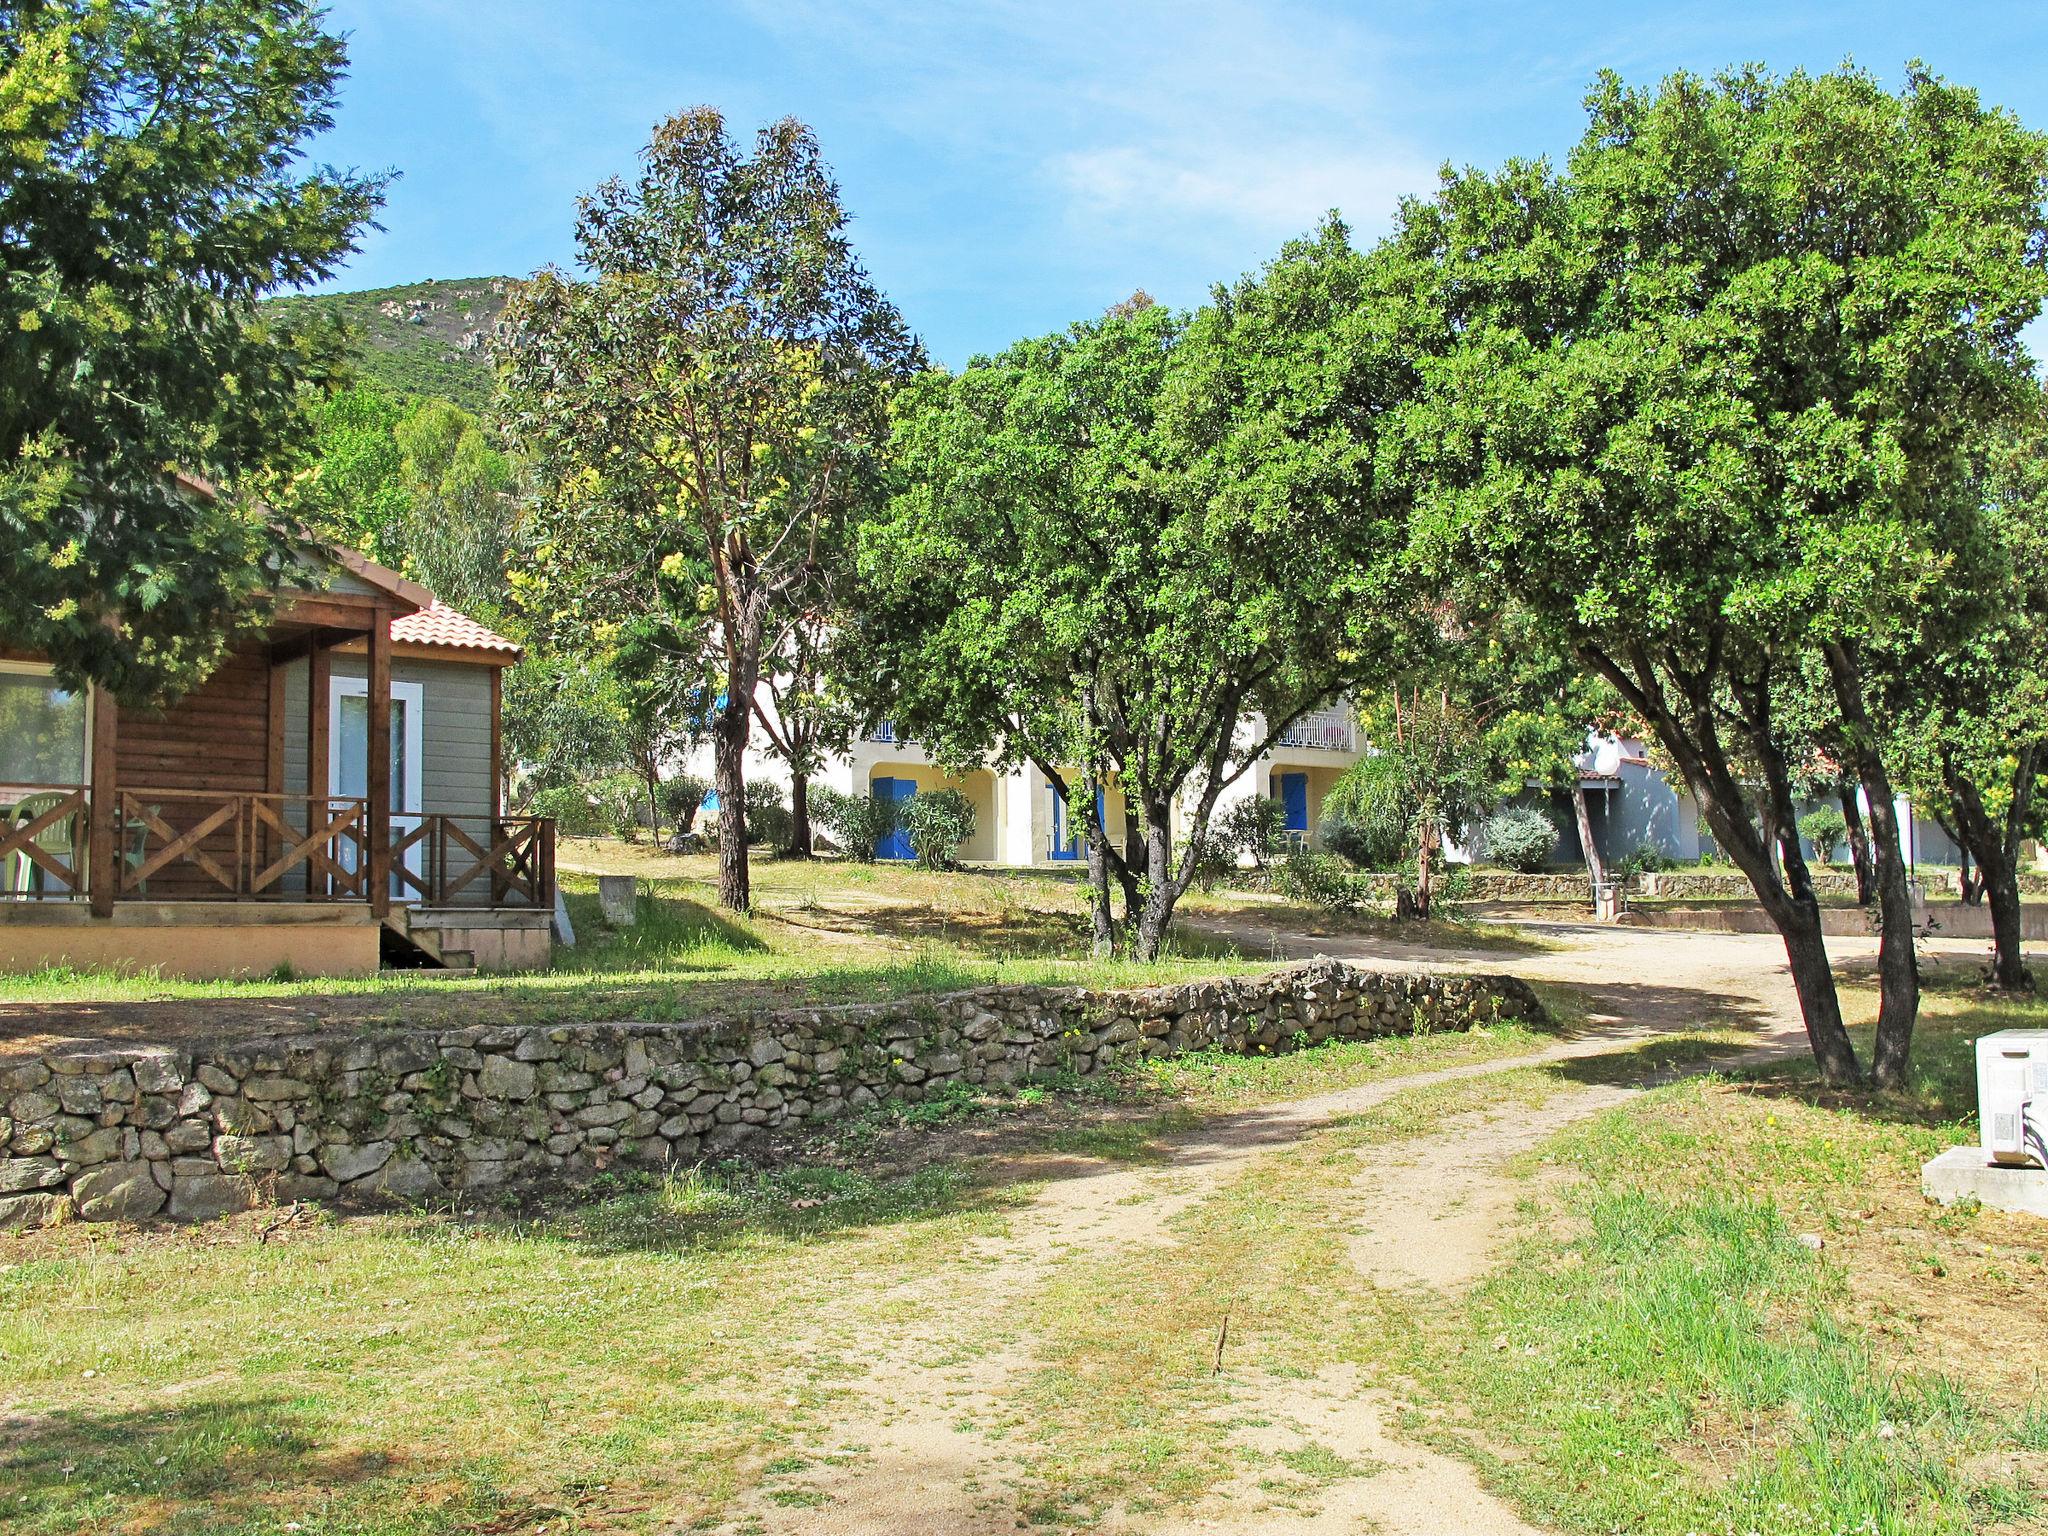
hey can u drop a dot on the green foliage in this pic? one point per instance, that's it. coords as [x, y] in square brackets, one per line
[419, 485]
[621, 804]
[1522, 838]
[428, 340]
[679, 799]
[151, 190]
[767, 814]
[937, 822]
[1111, 544]
[1646, 858]
[857, 823]
[575, 812]
[705, 410]
[1368, 845]
[1321, 880]
[1825, 828]
[1255, 827]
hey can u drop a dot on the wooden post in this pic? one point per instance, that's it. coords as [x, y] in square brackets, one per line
[103, 876]
[317, 706]
[497, 742]
[378, 773]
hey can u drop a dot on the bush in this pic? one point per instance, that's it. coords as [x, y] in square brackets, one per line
[1254, 828]
[574, 813]
[1364, 845]
[1522, 838]
[768, 818]
[1647, 859]
[937, 822]
[1320, 880]
[680, 798]
[1825, 828]
[621, 803]
[857, 823]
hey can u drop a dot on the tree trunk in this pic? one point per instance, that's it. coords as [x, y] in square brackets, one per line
[1898, 969]
[650, 775]
[728, 774]
[1859, 841]
[1996, 843]
[1687, 725]
[1155, 918]
[799, 815]
[1582, 813]
[1425, 870]
[1101, 922]
[1971, 892]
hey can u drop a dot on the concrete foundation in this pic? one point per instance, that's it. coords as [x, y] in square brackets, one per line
[193, 940]
[1962, 1173]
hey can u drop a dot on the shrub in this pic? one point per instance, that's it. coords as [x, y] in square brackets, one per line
[937, 822]
[858, 823]
[1825, 828]
[1647, 859]
[1522, 838]
[768, 818]
[1320, 880]
[1254, 828]
[680, 798]
[621, 803]
[575, 814]
[1363, 844]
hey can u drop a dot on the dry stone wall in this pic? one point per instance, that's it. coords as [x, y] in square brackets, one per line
[132, 1133]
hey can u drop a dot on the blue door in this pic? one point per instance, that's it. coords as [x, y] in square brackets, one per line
[1069, 839]
[1294, 799]
[895, 844]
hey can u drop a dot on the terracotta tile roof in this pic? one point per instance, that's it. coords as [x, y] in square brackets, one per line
[439, 625]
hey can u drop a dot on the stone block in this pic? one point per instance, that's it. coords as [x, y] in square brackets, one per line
[344, 1163]
[21, 1174]
[1962, 1173]
[23, 1213]
[252, 1154]
[117, 1192]
[501, 1077]
[204, 1196]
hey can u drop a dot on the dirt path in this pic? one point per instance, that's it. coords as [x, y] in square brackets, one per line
[1433, 1212]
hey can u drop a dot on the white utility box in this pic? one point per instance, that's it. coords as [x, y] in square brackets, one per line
[2012, 1096]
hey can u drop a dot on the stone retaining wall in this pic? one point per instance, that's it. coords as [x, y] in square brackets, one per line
[190, 1133]
[1498, 885]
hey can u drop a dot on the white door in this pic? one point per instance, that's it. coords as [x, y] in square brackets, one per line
[348, 759]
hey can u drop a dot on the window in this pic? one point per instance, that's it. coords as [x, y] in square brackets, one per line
[42, 730]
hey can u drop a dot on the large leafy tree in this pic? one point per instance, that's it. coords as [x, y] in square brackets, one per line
[705, 402]
[1972, 723]
[151, 189]
[1703, 406]
[1116, 545]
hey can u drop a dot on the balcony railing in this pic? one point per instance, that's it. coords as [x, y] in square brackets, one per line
[1325, 730]
[885, 731]
[199, 845]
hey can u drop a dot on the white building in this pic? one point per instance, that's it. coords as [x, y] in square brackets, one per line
[1020, 819]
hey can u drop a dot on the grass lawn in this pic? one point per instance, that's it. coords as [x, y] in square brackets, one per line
[821, 931]
[640, 1357]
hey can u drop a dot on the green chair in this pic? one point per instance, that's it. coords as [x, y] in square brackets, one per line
[64, 838]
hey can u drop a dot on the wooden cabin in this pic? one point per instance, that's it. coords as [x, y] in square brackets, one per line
[250, 829]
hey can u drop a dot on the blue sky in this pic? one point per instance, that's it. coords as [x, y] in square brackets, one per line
[1015, 165]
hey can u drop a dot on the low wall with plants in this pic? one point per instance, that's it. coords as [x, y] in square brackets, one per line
[189, 1133]
[1499, 885]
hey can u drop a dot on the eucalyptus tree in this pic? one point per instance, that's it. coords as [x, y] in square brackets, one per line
[151, 191]
[1115, 548]
[707, 401]
[1701, 403]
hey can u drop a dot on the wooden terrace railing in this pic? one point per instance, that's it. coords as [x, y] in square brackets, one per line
[202, 845]
[475, 861]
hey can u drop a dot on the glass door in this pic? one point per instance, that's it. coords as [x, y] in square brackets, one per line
[348, 769]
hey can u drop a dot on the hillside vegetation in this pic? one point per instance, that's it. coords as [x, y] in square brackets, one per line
[430, 338]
